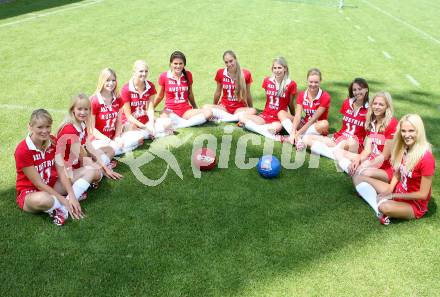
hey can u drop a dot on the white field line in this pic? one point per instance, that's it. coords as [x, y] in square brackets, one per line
[412, 27]
[386, 55]
[22, 107]
[412, 80]
[34, 16]
[357, 27]
[371, 39]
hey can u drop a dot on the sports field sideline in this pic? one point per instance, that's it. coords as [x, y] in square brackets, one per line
[230, 232]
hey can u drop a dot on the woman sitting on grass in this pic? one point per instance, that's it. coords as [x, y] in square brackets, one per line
[176, 85]
[138, 105]
[42, 183]
[315, 103]
[408, 193]
[280, 91]
[73, 140]
[234, 88]
[381, 126]
[106, 118]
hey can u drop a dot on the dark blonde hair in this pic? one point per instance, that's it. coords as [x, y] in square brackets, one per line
[70, 118]
[371, 118]
[240, 88]
[103, 77]
[40, 114]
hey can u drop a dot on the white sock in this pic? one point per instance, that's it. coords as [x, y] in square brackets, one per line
[344, 163]
[79, 187]
[56, 204]
[131, 139]
[287, 124]
[177, 121]
[118, 151]
[322, 149]
[311, 131]
[105, 159]
[196, 120]
[369, 194]
[225, 116]
[260, 129]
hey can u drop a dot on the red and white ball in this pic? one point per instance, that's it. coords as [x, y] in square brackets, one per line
[204, 159]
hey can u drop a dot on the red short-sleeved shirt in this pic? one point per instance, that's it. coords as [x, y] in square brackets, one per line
[105, 115]
[378, 140]
[353, 121]
[311, 105]
[228, 99]
[73, 134]
[274, 104]
[176, 91]
[137, 100]
[410, 181]
[27, 154]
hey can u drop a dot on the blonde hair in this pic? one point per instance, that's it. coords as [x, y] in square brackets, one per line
[40, 114]
[417, 150]
[240, 88]
[371, 118]
[103, 77]
[282, 61]
[140, 62]
[70, 117]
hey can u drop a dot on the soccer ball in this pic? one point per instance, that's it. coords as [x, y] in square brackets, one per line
[269, 166]
[204, 159]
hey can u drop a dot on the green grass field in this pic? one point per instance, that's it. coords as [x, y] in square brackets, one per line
[229, 233]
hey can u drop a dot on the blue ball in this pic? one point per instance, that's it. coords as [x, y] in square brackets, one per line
[269, 166]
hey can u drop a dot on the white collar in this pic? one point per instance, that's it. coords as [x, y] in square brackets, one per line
[132, 88]
[31, 146]
[277, 85]
[81, 128]
[320, 92]
[101, 99]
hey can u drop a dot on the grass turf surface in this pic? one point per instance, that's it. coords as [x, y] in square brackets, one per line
[229, 233]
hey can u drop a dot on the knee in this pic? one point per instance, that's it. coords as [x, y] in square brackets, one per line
[322, 127]
[251, 111]
[276, 126]
[207, 112]
[242, 118]
[282, 114]
[385, 208]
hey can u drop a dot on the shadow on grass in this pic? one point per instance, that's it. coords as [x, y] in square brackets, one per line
[20, 7]
[216, 236]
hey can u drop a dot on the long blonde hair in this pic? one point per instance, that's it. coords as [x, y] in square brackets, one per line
[417, 150]
[240, 87]
[70, 117]
[371, 118]
[103, 77]
[282, 61]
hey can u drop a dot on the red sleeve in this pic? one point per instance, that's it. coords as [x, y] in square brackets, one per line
[67, 129]
[391, 129]
[219, 76]
[324, 100]
[300, 98]
[264, 84]
[427, 164]
[95, 105]
[23, 157]
[247, 77]
[125, 94]
[344, 106]
[293, 88]
[153, 88]
[190, 77]
[162, 79]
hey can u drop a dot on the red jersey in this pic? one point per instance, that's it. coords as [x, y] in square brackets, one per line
[311, 105]
[106, 115]
[137, 100]
[72, 134]
[378, 140]
[410, 180]
[228, 99]
[27, 154]
[176, 90]
[274, 104]
[353, 121]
